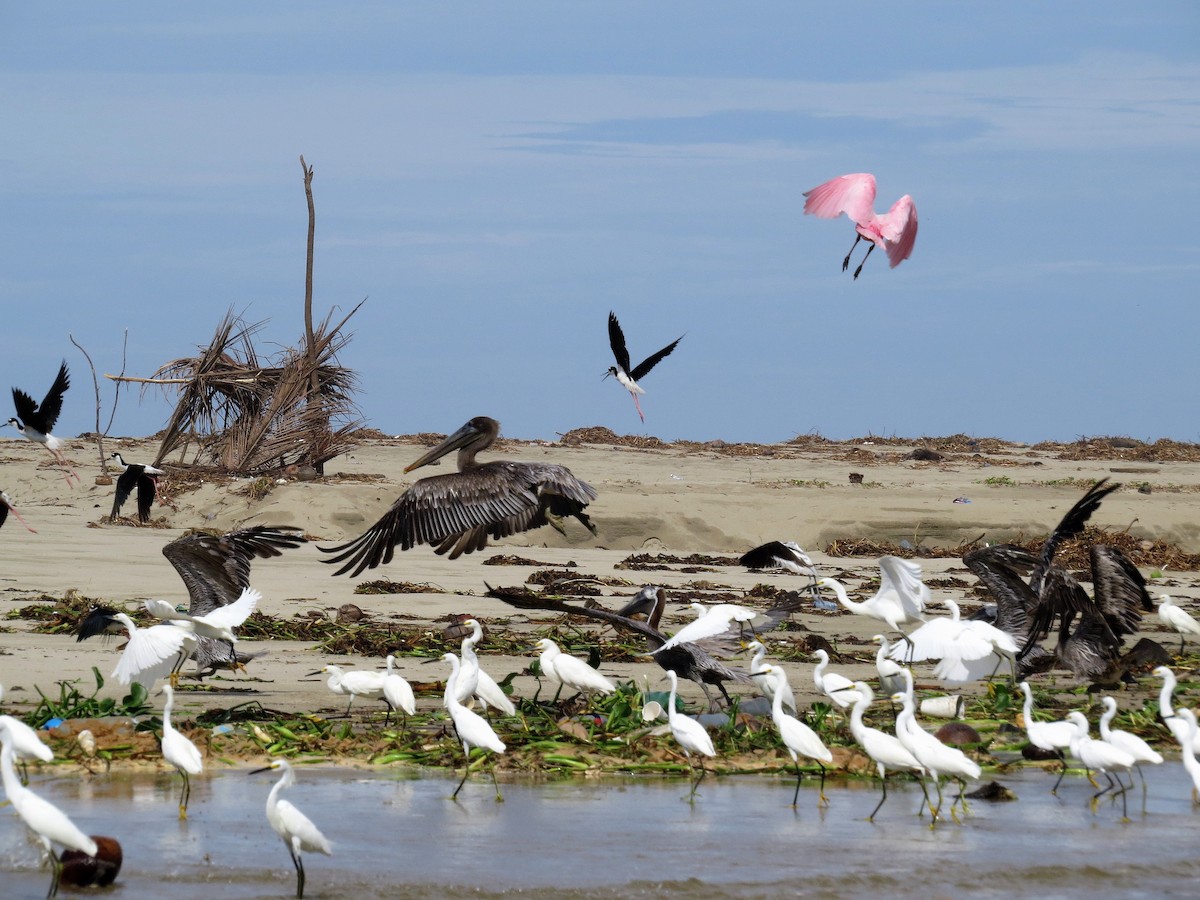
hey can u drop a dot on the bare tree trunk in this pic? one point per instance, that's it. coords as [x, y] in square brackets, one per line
[314, 387]
[96, 383]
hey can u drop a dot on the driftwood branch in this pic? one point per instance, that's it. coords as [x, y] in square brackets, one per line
[96, 384]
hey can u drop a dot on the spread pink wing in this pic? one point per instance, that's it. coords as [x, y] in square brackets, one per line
[853, 195]
[899, 229]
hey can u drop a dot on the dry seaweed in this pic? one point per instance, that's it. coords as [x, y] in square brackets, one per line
[648, 562]
[386, 586]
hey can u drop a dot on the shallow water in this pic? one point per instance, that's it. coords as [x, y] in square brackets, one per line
[401, 837]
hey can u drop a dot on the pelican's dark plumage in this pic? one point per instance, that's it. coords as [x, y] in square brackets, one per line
[457, 513]
[623, 371]
[142, 477]
[35, 421]
[215, 570]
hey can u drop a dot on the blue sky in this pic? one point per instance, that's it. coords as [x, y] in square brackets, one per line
[495, 178]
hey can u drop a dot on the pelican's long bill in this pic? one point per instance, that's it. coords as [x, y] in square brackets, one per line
[459, 439]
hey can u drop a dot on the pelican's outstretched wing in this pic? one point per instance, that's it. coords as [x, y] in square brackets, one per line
[216, 568]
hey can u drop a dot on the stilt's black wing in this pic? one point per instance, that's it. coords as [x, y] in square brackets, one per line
[651, 361]
[616, 340]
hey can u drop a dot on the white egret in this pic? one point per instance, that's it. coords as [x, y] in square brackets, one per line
[1130, 743]
[217, 624]
[1166, 710]
[901, 597]
[1177, 619]
[1187, 747]
[1101, 756]
[397, 692]
[574, 673]
[368, 685]
[179, 752]
[151, 653]
[710, 621]
[46, 821]
[798, 738]
[938, 759]
[474, 682]
[885, 750]
[968, 650]
[688, 733]
[297, 830]
[1053, 737]
[891, 675]
[27, 746]
[837, 688]
[473, 729]
[760, 672]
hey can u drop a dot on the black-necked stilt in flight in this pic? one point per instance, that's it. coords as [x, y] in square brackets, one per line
[35, 421]
[457, 512]
[144, 478]
[626, 375]
[6, 505]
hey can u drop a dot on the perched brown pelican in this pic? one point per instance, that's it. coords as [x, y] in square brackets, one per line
[458, 512]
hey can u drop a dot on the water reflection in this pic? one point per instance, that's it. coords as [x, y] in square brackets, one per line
[396, 836]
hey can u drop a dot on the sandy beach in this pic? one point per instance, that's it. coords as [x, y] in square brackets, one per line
[671, 499]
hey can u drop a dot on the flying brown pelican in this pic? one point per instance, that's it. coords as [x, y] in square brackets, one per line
[215, 570]
[626, 373]
[458, 512]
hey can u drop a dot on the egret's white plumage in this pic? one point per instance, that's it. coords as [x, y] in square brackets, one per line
[798, 738]
[1053, 737]
[765, 682]
[473, 729]
[1166, 710]
[938, 760]
[356, 683]
[1130, 743]
[574, 673]
[298, 832]
[837, 688]
[152, 653]
[396, 691]
[709, 622]
[901, 597]
[179, 752]
[26, 744]
[885, 750]
[1187, 748]
[473, 681]
[1177, 619]
[688, 733]
[891, 675]
[217, 624]
[1101, 756]
[46, 821]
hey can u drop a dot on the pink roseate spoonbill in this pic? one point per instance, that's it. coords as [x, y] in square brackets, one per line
[895, 231]
[35, 420]
[627, 375]
[6, 506]
[142, 477]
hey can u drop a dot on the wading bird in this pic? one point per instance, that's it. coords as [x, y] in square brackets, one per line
[473, 681]
[142, 477]
[967, 649]
[694, 662]
[1052, 737]
[473, 729]
[26, 744]
[458, 512]
[35, 420]
[1169, 614]
[628, 377]
[798, 738]
[1168, 713]
[1187, 748]
[397, 692]
[296, 829]
[1130, 743]
[179, 752]
[901, 597]
[760, 671]
[837, 688]
[1101, 756]
[688, 733]
[6, 506]
[368, 685]
[216, 625]
[48, 823]
[895, 231]
[710, 621]
[885, 750]
[569, 671]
